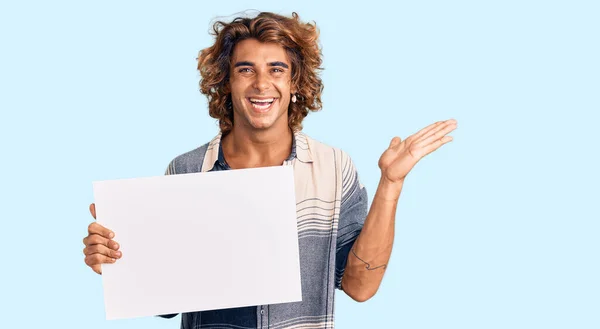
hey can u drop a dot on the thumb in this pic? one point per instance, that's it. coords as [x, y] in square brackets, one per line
[395, 141]
[93, 210]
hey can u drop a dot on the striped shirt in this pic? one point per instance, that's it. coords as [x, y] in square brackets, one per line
[331, 206]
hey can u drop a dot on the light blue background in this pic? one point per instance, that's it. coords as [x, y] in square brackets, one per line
[497, 229]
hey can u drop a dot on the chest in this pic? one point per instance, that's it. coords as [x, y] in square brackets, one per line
[318, 191]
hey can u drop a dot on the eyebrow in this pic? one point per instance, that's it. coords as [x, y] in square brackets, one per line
[282, 64]
[246, 63]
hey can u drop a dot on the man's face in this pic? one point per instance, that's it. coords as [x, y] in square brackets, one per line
[260, 82]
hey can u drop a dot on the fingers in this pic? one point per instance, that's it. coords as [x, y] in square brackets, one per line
[101, 249]
[95, 228]
[93, 239]
[93, 210]
[425, 130]
[97, 268]
[436, 144]
[98, 259]
[437, 133]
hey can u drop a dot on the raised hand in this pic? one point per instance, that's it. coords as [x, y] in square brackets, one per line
[99, 246]
[402, 155]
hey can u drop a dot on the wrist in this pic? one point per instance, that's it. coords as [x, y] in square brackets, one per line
[388, 190]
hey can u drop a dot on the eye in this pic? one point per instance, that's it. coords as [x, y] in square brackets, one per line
[277, 70]
[245, 70]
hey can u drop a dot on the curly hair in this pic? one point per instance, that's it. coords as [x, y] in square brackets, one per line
[300, 40]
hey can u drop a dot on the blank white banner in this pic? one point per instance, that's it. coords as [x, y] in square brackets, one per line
[202, 241]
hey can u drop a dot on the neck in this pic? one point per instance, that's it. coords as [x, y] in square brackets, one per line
[260, 148]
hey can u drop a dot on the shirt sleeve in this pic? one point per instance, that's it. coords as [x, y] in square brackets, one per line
[353, 212]
[170, 168]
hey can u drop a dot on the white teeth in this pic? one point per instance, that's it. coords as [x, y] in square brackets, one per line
[261, 107]
[267, 100]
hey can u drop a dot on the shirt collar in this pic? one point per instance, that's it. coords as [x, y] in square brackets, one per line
[214, 153]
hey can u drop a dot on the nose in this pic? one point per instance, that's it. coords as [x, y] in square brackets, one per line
[261, 82]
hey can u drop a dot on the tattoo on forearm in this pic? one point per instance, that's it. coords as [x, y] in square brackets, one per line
[384, 266]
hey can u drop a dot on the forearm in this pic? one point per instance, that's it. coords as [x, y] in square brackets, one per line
[372, 249]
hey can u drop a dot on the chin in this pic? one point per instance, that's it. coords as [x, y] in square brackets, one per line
[261, 124]
[266, 121]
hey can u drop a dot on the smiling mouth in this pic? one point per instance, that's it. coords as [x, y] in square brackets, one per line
[261, 104]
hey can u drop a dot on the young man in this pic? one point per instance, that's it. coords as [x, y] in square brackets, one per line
[261, 80]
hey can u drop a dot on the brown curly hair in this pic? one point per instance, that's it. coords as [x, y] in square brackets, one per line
[300, 41]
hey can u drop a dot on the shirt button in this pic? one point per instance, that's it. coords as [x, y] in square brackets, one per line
[262, 311]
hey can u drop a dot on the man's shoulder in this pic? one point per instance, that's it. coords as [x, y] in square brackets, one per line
[320, 149]
[327, 156]
[188, 162]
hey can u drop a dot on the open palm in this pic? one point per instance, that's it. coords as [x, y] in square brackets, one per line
[402, 155]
